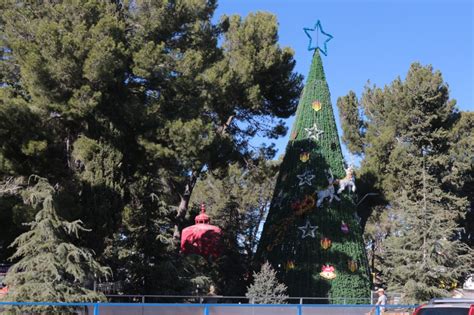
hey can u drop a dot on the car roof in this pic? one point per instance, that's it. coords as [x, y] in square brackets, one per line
[451, 301]
[449, 305]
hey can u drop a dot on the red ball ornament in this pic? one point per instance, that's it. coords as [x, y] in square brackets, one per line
[201, 238]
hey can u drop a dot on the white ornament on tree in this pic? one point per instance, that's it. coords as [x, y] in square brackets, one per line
[314, 132]
[348, 181]
[306, 178]
[328, 192]
[308, 230]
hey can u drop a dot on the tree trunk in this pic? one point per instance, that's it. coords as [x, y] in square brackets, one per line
[184, 204]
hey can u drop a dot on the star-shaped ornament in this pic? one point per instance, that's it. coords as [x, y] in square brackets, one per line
[308, 230]
[314, 132]
[318, 38]
[306, 178]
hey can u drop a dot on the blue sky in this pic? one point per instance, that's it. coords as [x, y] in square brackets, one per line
[376, 40]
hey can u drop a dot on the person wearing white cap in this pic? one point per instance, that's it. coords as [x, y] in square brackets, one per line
[382, 300]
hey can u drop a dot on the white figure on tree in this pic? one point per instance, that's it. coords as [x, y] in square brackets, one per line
[328, 192]
[348, 181]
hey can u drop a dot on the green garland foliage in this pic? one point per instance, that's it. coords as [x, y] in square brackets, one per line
[299, 261]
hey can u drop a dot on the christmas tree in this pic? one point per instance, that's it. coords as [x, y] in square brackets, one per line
[312, 236]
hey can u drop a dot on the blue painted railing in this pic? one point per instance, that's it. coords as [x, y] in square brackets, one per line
[211, 309]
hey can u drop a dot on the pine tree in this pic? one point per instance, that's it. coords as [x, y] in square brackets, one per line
[312, 155]
[48, 266]
[458, 169]
[424, 256]
[415, 111]
[106, 96]
[396, 129]
[265, 288]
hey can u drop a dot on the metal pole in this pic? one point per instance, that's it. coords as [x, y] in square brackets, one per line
[300, 309]
[96, 309]
[206, 310]
[143, 299]
[377, 310]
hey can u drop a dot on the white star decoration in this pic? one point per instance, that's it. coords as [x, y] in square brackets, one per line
[305, 178]
[314, 132]
[308, 230]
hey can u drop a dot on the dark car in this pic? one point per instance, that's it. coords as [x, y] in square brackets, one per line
[447, 307]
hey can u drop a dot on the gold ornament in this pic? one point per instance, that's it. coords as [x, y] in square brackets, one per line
[352, 265]
[317, 105]
[304, 157]
[290, 265]
[325, 243]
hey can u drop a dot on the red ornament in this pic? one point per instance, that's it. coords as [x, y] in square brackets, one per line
[293, 135]
[306, 205]
[201, 238]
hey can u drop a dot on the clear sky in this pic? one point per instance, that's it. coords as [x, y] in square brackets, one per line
[376, 40]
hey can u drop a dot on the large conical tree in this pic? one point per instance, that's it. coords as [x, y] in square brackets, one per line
[290, 240]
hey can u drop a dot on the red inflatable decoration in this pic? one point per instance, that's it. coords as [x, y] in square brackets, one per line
[201, 238]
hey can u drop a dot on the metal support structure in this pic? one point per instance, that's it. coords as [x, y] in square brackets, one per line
[96, 309]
